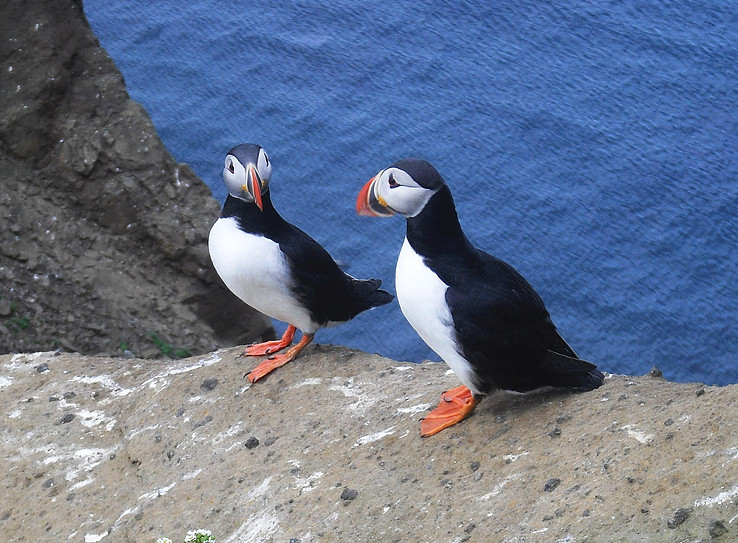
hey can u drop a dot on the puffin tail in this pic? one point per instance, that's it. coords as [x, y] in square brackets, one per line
[371, 295]
[378, 296]
[560, 370]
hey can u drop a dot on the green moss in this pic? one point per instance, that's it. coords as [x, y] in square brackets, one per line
[166, 348]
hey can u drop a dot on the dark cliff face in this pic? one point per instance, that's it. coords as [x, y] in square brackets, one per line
[103, 235]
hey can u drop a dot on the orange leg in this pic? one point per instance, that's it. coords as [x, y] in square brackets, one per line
[277, 360]
[269, 347]
[456, 404]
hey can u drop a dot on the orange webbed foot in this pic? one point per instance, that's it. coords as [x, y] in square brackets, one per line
[456, 404]
[277, 360]
[271, 347]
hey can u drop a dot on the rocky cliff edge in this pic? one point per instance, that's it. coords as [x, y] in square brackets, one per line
[327, 448]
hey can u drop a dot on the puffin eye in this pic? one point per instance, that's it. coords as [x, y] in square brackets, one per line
[230, 167]
[392, 183]
[266, 158]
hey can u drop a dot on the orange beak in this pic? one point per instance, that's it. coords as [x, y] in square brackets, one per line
[368, 204]
[254, 187]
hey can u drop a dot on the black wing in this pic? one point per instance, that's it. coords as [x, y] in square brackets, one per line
[506, 332]
[327, 292]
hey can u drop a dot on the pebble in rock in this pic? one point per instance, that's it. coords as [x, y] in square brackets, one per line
[69, 417]
[679, 516]
[717, 528]
[209, 384]
[348, 494]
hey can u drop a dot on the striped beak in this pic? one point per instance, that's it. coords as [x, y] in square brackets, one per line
[369, 203]
[253, 185]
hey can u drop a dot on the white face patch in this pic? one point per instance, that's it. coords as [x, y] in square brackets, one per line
[235, 175]
[401, 193]
[264, 167]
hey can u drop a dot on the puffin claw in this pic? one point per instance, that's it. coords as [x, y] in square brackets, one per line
[270, 347]
[275, 361]
[455, 405]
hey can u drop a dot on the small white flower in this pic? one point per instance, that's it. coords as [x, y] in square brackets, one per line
[199, 536]
[163, 540]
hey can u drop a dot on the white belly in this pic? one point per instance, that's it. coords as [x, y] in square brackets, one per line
[422, 298]
[255, 269]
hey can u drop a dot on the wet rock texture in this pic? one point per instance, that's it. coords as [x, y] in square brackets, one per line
[103, 236]
[327, 448]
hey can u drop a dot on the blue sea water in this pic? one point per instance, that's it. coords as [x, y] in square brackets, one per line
[592, 145]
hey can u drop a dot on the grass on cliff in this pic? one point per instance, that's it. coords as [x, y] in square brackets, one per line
[166, 348]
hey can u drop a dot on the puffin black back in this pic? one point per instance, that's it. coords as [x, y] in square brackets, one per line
[435, 232]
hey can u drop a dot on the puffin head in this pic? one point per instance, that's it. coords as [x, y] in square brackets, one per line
[247, 172]
[403, 188]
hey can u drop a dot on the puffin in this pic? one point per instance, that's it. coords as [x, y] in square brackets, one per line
[275, 267]
[474, 310]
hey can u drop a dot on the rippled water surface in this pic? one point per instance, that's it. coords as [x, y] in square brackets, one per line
[592, 145]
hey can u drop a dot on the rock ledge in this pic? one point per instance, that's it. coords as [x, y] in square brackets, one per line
[328, 449]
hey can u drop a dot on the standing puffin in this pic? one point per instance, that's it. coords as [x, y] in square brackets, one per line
[474, 310]
[275, 267]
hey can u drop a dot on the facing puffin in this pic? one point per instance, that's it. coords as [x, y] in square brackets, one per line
[275, 267]
[474, 310]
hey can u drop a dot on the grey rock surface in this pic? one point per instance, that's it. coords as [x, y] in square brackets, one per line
[327, 448]
[103, 235]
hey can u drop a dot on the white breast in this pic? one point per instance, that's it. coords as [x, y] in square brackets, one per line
[422, 298]
[255, 269]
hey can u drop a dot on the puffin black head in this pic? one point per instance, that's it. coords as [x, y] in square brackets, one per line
[247, 172]
[404, 188]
